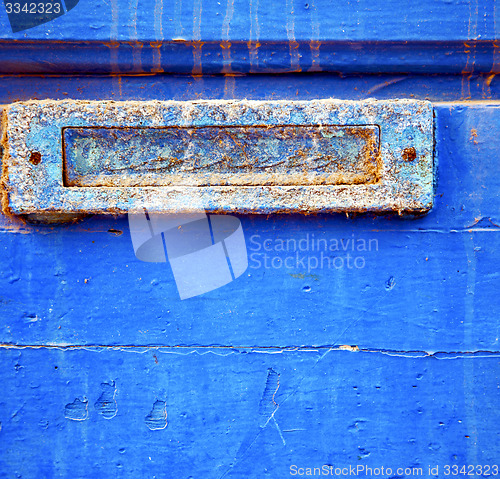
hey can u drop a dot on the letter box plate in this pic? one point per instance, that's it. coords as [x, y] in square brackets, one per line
[221, 156]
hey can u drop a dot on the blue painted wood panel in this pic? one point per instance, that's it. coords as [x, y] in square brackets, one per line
[228, 413]
[236, 58]
[245, 20]
[424, 283]
[105, 372]
[437, 88]
[411, 290]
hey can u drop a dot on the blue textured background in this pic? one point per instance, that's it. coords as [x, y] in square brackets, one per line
[255, 377]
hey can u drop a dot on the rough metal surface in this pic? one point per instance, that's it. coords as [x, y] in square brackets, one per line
[33, 169]
[205, 156]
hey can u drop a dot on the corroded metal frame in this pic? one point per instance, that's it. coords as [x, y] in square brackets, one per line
[33, 166]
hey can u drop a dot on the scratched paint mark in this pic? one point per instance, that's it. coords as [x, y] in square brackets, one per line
[157, 418]
[314, 277]
[363, 453]
[470, 49]
[357, 426]
[106, 405]
[77, 410]
[113, 34]
[197, 15]
[390, 283]
[267, 409]
[468, 328]
[134, 43]
[133, 26]
[268, 404]
[43, 423]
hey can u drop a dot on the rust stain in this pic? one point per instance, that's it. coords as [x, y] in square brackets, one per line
[136, 55]
[315, 45]
[119, 79]
[113, 55]
[229, 86]
[197, 59]
[35, 158]
[487, 85]
[292, 43]
[253, 44]
[489, 79]
[226, 44]
[226, 55]
[4, 179]
[473, 136]
[253, 52]
[409, 154]
[156, 46]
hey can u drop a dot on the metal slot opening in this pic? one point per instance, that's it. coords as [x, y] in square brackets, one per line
[221, 155]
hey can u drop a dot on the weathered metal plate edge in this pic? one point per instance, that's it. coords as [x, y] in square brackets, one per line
[33, 151]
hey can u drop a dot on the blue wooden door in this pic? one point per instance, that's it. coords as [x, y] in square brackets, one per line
[352, 345]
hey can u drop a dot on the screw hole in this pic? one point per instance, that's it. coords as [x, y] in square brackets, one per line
[35, 158]
[409, 154]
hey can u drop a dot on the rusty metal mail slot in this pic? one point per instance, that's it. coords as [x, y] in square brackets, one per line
[79, 157]
[226, 155]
